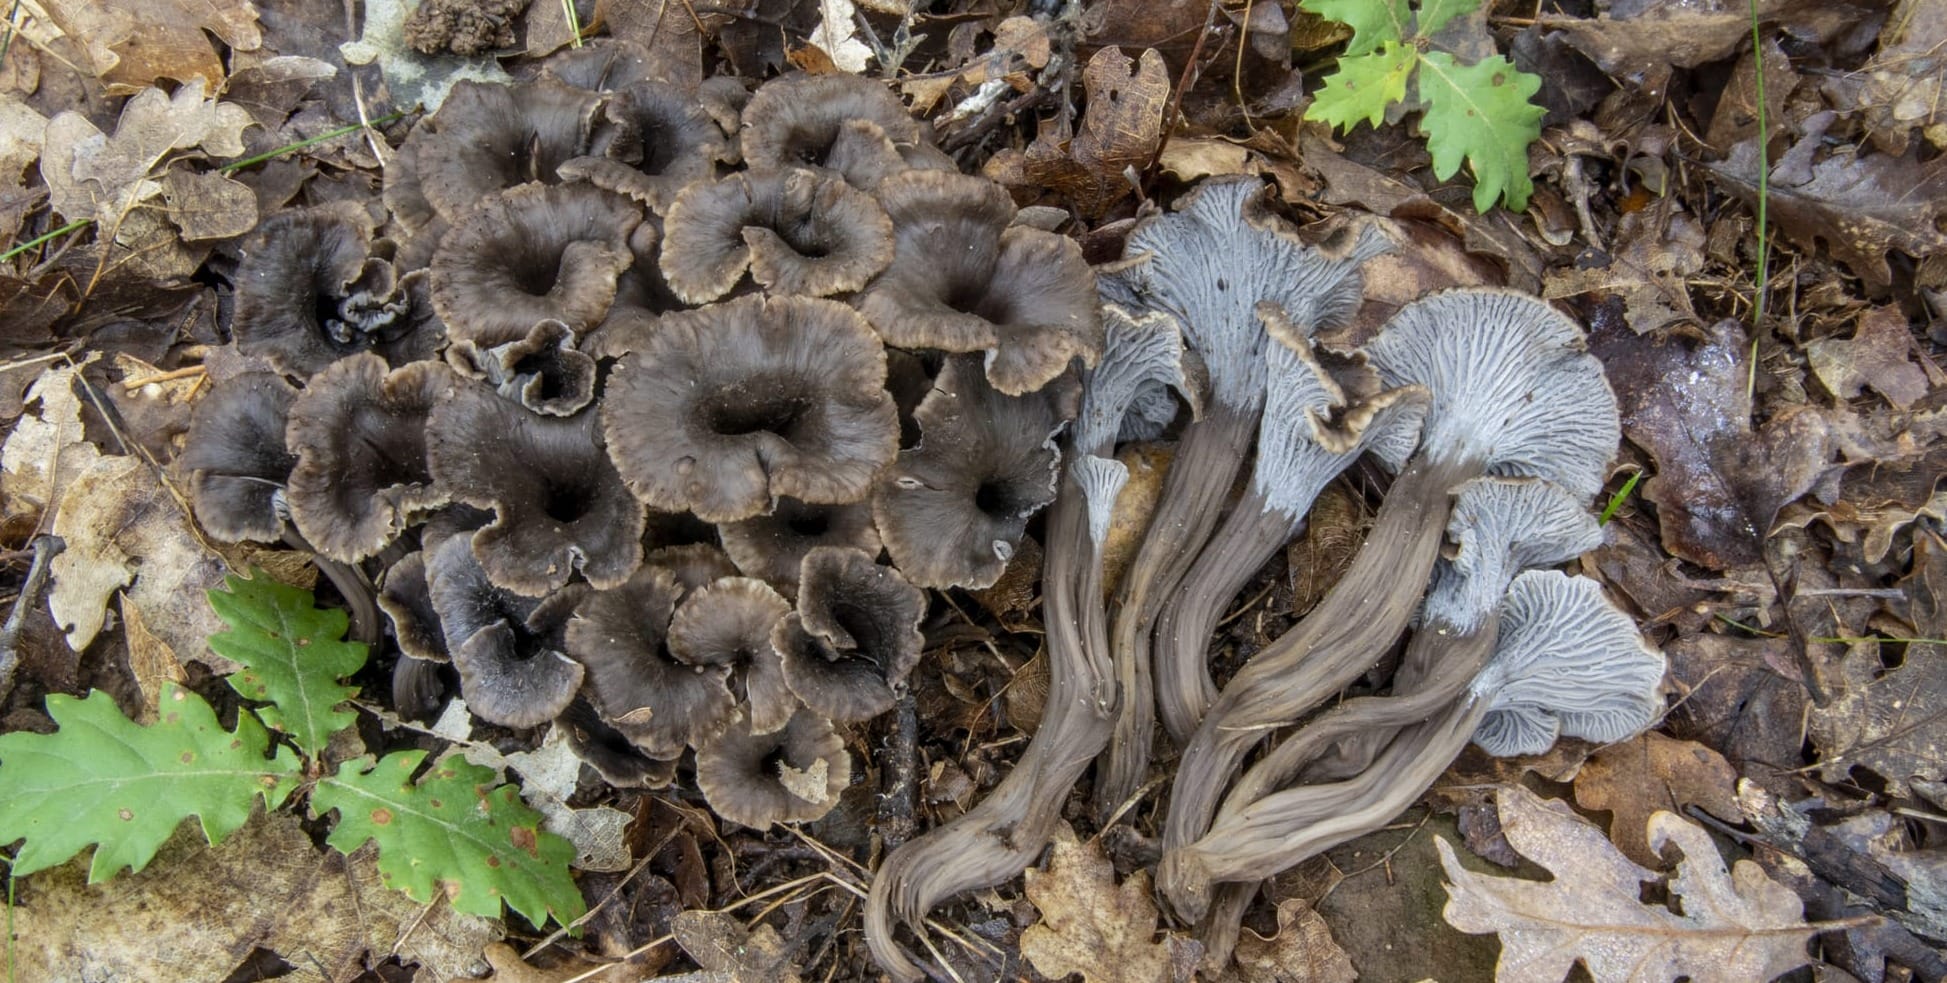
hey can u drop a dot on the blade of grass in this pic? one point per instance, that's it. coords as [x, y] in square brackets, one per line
[237, 165]
[1764, 199]
[574, 22]
[1616, 500]
[45, 237]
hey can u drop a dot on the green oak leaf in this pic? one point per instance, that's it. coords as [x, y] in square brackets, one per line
[1373, 22]
[1434, 14]
[293, 654]
[1364, 86]
[455, 832]
[101, 779]
[1481, 113]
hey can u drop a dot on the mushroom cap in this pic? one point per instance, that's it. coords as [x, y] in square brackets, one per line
[309, 292]
[962, 280]
[1503, 526]
[695, 566]
[657, 140]
[729, 623]
[610, 752]
[1312, 429]
[359, 434]
[1216, 257]
[799, 231]
[529, 254]
[1142, 356]
[797, 120]
[639, 687]
[1514, 387]
[1566, 662]
[558, 503]
[488, 137]
[792, 775]
[600, 64]
[771, 547]
[507, 648]
[407, 600]
[236, 457]
[952, 510]
[542, 372]
[728, 407]
[854, 639]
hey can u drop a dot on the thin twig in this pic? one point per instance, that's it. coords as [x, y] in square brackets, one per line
[46, 547]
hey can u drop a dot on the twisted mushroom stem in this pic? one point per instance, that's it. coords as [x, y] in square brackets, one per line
[1208, 459]
[1349, 631]
[1005, 832]
[356, 588]
[1251, 534]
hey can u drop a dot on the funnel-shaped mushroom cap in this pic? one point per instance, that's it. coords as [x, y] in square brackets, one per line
[728, 407]
[793, 775]
[359, 434]
[1312, 428]
[403, 196]
[952, 510]
[729, 623]
[641, 689]
[507, 648]
[1566, 663]
[1221, 253]
[694, 565]
[530, 254]
[1504, 526]
[799, 231]
[962, 280]
[1514, 387]
[822, 121]
[657, 140]
[407, 600]
[600, 65]
[771, 547]
[309, 293]
[609, 751]
[487, 138]
[542, 371]
[1142, 354]
[855, 637]
[236, 458]
[559, 506]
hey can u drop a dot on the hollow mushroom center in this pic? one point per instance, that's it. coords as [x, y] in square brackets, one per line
[809, 146]
[391, 454]
[998, 498]
[536, 274]
[549, 369]
[810, 525]
[774, 405]
[805, 236]
[567, 501]
[858, 622]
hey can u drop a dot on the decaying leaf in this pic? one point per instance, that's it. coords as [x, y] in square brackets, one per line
[92, 175]
[267, 886]
[730, 953]
[1653, 35]
[46, 451]
[132, 45]
[548, 775]
[1736, 925]
[413, 78]
[1635, 778]
[1862, 205]
[1879, 355]
[1089, 924]
[1148, 465]
[1120, 129]
[1890, 722]
[1021, 44]
[1900, 89]
[1740, 696]
[838, 37]
[1718, 485]
[1303, 951]
[1657, 250]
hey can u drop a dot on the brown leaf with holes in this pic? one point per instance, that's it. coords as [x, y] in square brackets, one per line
[1741, 696]
[1303, 951]
[1718, 485]
[1862, 205]
[1120, 130]
[730, 953]
[1878, 355]
[1090, 924]
[130, 45]
[1901, 88]
[1890, 722]
[1656, 254]
[1652, 772]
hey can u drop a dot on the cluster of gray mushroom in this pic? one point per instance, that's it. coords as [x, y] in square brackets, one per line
[653, 411]
[1498, 427]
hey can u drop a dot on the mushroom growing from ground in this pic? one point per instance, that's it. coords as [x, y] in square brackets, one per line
[848, 648]
[1007, 830]
[729, 623]
[728, 407]
[1514, 392]
[852, 125]
[772, 547]
[963, 280]
[236, 458]
[656, 139]
[506, 647]
[1210, 264]
[543, 371]
[952, 510]
[487, 138]
[359, 435]
[559, 506]
[640, 688]
[791, 775]
[533, 253]
[797, 230]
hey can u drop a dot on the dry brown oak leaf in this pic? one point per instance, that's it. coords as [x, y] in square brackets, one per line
[1737, 925]
[1890, 722]
[1303, 951]
[1089, 924]
[1632, 779]
[1878, 355]
[130, 45]
[1121, 129]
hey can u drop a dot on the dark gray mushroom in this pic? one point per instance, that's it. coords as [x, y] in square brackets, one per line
[798, 231]
[729, 623]
[543, 371]
[854, 638]
[641, 688]
[529, 254]
[236, 458]
[772, 547]
[850, 124]
[506, 647]
[791, 775]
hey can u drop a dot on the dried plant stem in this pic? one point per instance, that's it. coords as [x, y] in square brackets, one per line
[45, 547]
